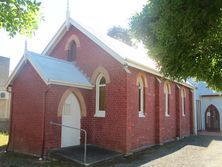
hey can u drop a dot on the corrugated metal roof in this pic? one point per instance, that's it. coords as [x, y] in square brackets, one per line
[123, 53]
[57, 71]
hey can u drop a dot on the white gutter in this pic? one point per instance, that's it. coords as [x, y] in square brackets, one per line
[152, 71]
[54, 41]
[15, 71]
[77, 85]
[195, 113]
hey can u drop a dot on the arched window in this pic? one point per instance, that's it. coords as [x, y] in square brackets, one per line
[71, 51]
[183, 97]
[141, 97]
[166, 98]
[100, 96]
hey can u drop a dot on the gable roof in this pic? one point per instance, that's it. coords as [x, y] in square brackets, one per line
[202, 89]
[123, 53]
[53, 71]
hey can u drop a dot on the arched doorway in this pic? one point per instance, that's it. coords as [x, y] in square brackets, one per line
[71, 117]
[212, 119]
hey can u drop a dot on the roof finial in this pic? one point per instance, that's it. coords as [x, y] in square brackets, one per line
[67, 15]
[26, 46]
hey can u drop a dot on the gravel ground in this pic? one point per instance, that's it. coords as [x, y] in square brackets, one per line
[194, 151]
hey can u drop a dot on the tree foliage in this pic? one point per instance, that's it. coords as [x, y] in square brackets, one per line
[184, 37]
[121, 34]
[19, 16]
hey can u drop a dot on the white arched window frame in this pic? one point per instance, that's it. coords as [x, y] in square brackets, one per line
[166, 99]
[183, 99]
[141, 97]
[100, 96]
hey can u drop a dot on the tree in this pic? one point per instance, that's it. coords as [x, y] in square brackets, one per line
[121, 34]
[19, 16]
[184, 37]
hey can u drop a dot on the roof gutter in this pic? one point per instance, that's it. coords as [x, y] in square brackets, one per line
[152, 71]
[77, 85]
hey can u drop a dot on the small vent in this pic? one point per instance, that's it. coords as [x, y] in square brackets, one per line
[3, 95]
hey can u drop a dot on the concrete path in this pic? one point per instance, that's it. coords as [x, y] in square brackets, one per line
[195, 151]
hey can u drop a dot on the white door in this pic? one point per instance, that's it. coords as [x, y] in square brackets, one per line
[70, 117]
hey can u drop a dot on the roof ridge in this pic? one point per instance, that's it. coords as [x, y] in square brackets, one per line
[50, 57]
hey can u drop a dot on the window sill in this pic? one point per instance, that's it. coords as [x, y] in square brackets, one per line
[141, 114]
[100, 114]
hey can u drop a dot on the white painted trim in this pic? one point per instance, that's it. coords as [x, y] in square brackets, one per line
[167, 115]
[141, 105]
[15, 71]
[62, 31]
[194, 112]
[47, 82]
[141, 114]
[37, 70]
[143, 68]
[131, 63]
[98, 41]
[99, 113]
[56, 38]
[183, 105]
[18, 67]
[154, 72]
[70, 84]
[166, 103]
[183, 98]
[159, 80]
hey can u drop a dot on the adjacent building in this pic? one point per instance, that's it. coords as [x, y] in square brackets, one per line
[4, 95]
[208, 108]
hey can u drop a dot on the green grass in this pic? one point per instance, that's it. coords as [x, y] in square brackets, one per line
[11, 159]
[3, 139]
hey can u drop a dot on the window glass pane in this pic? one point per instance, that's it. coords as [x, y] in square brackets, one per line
[102, 81]
[72, 51]
[139, 90]
[184, 106]
[102, 98]
[166, 104]
[208, 122]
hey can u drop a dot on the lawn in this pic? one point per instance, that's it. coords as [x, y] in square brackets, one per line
[3, 139]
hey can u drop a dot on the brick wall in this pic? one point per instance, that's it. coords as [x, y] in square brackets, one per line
[155, 127]
[121, 130]
[28, 107]
[141, 130]
[102, 131]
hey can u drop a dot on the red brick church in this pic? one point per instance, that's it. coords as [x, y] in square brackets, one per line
[97, 84]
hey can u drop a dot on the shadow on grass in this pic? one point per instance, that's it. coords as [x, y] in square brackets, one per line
[11, 159]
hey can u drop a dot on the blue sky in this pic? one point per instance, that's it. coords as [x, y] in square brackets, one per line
[100, 15]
